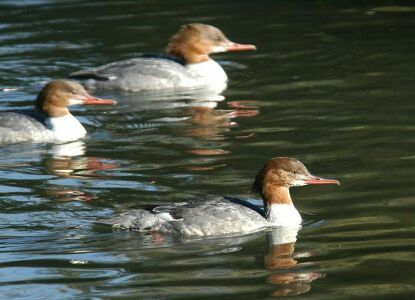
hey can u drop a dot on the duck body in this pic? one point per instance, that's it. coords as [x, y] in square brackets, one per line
[210, 216]
[155, 73]
[229, 216]
[51, 120]
[185, 66]
[22, 126]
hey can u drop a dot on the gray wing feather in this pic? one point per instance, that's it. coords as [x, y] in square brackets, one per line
[212, 216]
[215, 216]
[141, 220]
[19, 127]
[137, 74]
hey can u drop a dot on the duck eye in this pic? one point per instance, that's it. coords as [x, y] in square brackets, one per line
[217, 38]
[295, 171]
[74, 92]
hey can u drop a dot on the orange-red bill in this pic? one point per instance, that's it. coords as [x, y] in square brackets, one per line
[231, 46]
[319, 180]
[91, 100]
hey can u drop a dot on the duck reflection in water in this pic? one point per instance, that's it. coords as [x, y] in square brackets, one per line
[207, 124]
[68, 161]
[281, 257]
[194, 117]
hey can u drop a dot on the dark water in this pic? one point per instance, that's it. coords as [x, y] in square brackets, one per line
[332, 83]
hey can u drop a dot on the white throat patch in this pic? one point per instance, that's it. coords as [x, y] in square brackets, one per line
[218, 49]
[74, 101]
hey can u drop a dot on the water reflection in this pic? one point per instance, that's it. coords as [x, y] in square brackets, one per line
[281, 257]
[140, 101]
[201, 123]
[70, 149]
[339, 95]
[280, 263]
[68, 161]
[208, 124]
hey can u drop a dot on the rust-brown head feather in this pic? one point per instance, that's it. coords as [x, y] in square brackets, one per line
[194, 42]
[279, 174]
[280, 171]
[53, 99]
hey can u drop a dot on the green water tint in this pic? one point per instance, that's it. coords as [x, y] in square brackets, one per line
[330, 84]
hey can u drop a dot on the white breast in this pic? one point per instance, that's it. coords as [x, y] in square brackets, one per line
[209, 73]
[66, 128]
[284, 215]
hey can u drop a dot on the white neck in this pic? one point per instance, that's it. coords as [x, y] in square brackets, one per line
[66, 128]
[283, 215]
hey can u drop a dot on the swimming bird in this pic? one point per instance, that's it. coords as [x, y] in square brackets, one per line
[230, 216]
[51, 119]
[185, 65]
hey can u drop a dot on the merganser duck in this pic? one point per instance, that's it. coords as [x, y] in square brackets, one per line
[51, 119]
[186, 64]
[230, 216]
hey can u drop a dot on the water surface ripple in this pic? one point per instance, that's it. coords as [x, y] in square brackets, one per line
[330, 84]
